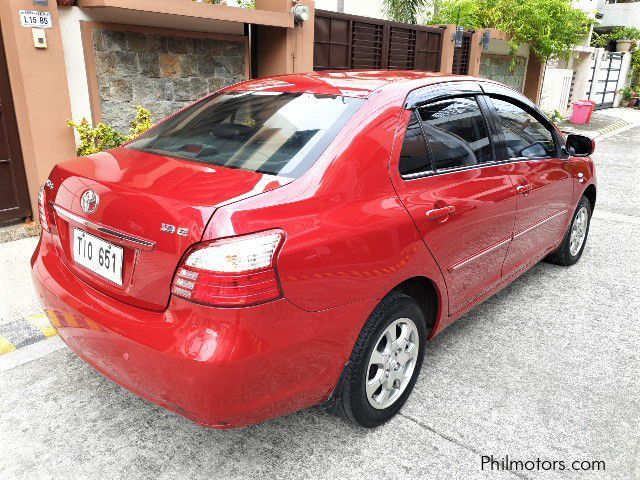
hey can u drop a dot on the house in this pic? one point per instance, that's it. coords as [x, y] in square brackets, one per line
[98, 59]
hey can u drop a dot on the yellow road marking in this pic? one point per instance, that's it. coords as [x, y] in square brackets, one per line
[41, 322]
[53, 318]
[6, 346]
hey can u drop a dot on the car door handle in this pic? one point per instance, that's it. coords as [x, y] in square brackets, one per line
[437, 213]
[524, 189]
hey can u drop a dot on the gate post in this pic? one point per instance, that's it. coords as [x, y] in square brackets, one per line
[475, 53]
[40, 94]
[448, 44]
[285, 50]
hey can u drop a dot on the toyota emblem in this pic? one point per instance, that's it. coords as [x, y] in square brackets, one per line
[89, 201]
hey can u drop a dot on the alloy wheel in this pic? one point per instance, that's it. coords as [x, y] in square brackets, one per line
[578, 231]
[392, 363]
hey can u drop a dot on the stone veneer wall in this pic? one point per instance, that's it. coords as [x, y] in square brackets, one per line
[498, 68]
[160, 72]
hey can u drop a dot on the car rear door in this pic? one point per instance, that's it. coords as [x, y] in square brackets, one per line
[462, 201]
[542, 179]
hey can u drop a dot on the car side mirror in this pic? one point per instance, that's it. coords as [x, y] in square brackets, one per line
[579, 145]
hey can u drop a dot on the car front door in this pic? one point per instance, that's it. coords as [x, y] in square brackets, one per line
[542, 181]
[461, 201]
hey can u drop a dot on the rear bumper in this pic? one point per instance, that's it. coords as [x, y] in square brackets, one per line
[220, 367]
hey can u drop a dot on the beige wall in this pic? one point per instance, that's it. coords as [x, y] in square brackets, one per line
[40, 93]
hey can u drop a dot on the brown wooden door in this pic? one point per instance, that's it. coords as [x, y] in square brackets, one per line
[14, 195]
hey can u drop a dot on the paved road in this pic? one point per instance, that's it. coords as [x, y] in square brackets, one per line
[549, 368]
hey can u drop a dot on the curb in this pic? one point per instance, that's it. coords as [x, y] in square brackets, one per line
[611, 128]
[41, 326]
[595, 133]
[25, 331]
[620, 125]
[18, 231]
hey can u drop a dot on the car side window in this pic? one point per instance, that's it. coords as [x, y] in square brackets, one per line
[413, 156]
[456, 133]
[524, 135]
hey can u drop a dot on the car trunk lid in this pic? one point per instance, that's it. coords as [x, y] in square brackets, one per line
[154, 207]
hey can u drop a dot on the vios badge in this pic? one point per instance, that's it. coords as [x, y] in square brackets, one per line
[89, 201]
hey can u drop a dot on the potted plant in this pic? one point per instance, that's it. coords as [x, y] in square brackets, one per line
[629, 96]
[626, 38]
[624, 45]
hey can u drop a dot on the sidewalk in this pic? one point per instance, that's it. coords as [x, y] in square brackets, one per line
[15, 231]
[22, 321]
[605, 122]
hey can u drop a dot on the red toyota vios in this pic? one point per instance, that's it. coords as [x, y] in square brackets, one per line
[296, 240]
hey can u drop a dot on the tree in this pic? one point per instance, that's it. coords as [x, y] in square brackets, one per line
[550, 27]
[405, 11]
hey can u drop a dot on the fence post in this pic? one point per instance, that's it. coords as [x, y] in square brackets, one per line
[475, 53]
[446, 53]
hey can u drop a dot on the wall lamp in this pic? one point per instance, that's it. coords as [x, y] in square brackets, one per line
[301, 13]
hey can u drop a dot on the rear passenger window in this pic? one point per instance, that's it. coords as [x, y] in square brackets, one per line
[414, 157]
[456, 133]
[524, 135]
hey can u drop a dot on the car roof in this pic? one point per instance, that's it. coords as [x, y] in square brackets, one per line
[350, 83]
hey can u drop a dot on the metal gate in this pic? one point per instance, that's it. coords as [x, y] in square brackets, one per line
[461, 55]
[345, 41]
[603, 81]
[14, 195]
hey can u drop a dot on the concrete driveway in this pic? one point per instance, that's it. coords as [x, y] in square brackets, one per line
[548, 369]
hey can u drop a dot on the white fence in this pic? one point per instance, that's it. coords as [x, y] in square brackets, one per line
[556, 90]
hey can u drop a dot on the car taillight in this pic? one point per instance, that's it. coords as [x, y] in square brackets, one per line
[42, 208]
[235, 271]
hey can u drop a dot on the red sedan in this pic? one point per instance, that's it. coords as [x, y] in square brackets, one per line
[296, 240]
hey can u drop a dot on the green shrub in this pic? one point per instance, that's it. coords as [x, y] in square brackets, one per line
[635, 69]
[141, 123]
[405, 11]
[602, 40]
[627, 93]
[103, 136]
[556, 117]
[550, 27]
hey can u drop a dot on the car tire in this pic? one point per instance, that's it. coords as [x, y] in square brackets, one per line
[570, 250]
[355, 396]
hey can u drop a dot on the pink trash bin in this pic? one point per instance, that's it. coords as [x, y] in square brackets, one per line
[593, 107]
[581, 112]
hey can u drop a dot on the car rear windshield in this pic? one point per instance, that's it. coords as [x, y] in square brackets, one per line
[268, 132]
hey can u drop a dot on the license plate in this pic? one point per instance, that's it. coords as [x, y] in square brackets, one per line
[101, 257]
[35, 18]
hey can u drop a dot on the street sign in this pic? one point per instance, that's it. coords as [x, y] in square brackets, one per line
[35, 18]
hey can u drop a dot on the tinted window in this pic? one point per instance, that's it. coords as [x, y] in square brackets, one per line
[268, 132]
[523, 134]
[414, 157]
[456, 132]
